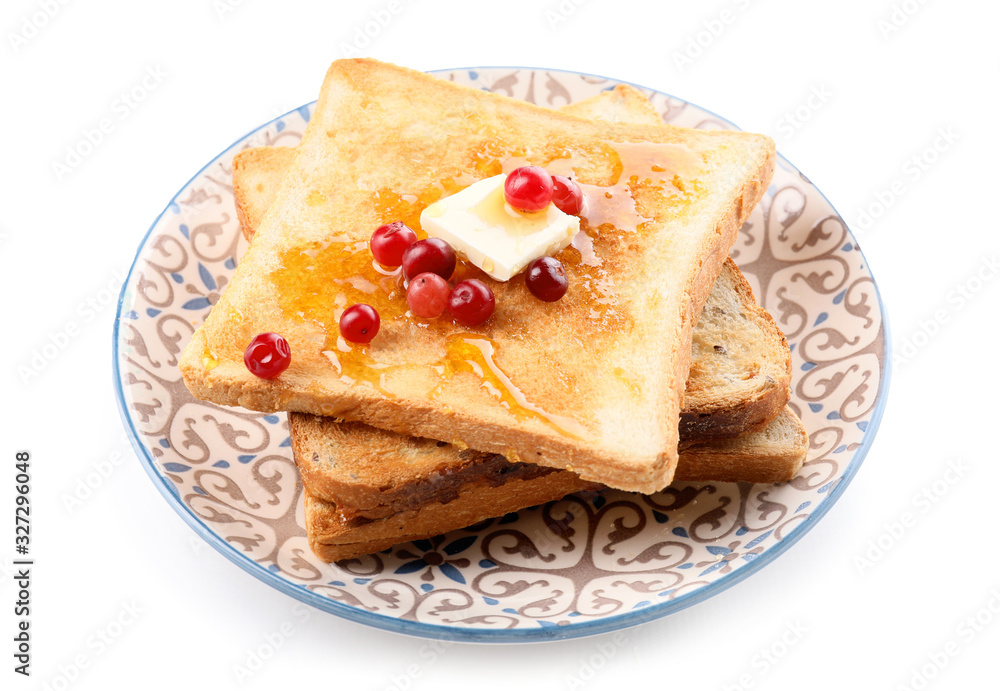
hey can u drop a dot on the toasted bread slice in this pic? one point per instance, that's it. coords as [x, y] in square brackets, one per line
[592, 383]
[740, 362]
[370, 473]
[623, 104]
[332, 538]
[339, 465]
[257, 176]
[741, 366]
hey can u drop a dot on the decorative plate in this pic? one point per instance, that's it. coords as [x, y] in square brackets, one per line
[580, 566]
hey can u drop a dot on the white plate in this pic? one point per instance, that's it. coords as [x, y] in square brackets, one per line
[572, 568]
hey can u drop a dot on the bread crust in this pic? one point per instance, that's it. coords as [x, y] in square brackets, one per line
[257, 175]
[769, 456]
[373, 473]
[715, 406]
[370, 473]
[333, 539]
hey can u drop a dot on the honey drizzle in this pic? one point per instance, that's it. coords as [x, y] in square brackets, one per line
[464, 353]
[584, 244]
[209, 360]
[354, 365]
[391, 205]
[637, 166]
[315, 198]
[318, 280]
[467, 352]
[639, 169]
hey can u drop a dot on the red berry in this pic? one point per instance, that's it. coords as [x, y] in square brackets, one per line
[427, 295]
[546, 279]
[389, 241]
[267, 356]
[567, 195]
[359, 323]
[432, 255]
[471, 302]
[528, 188]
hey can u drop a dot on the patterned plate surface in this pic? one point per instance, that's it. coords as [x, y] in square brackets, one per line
[576, 567]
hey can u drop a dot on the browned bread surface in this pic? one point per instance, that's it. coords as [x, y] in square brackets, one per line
[774, 454]
[382, 137]
[372, 473]
[741, 367]
[333, 538]
[622, 104]
[257, 176]
[740, 363]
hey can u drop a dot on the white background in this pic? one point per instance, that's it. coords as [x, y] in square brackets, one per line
[895, 77]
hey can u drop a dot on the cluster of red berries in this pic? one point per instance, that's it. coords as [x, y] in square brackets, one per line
[531, 188]
[428, 264]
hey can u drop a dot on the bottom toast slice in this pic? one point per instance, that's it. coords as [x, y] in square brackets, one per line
[353, 506]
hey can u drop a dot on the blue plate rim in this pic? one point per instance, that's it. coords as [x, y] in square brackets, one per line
[467, 635]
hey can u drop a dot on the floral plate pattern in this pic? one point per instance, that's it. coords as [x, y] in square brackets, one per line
[580, 566]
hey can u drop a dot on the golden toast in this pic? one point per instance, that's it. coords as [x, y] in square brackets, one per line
[593, 383]
[740, 363]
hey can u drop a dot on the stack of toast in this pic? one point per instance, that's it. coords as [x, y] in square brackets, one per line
[657, 366]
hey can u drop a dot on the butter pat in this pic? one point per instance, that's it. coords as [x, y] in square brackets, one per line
[479, 224]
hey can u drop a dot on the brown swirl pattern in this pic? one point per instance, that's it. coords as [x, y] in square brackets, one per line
[582, 559]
